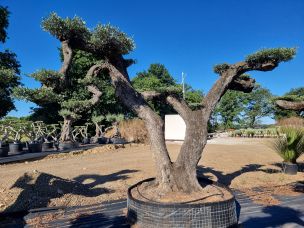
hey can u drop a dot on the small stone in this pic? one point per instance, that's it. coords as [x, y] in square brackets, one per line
[84, 168]
[26, 162]
[59, 191]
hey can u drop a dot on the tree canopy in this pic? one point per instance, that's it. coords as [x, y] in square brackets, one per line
[239, 109]
[9, 68]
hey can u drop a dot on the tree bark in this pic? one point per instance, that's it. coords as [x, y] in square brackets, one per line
[67, 60]
[291, 105]
[155, 125]
[66, 133]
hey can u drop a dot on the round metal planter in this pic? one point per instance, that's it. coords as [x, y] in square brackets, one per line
[181, 215]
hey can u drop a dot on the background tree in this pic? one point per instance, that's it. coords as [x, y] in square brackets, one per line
[9, 68]
[158, 78]
[229, 108]
[110, 45]
[238, 109]
[258, 105]
[48, 110]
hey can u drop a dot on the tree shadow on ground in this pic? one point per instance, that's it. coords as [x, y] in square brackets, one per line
[100, 220]
[38, 189]
[226, 179]
[277, 217]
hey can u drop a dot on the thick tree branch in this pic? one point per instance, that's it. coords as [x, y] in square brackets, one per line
[151, 95]
[291, 105]
[95, 69]
[245, 85]
[67, 60]
[229, 79]
[129, 62]
[180, 106]
[96, 94]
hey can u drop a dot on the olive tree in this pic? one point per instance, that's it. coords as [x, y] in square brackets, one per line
[110, 45]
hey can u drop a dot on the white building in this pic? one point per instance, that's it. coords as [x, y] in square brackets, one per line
[175, 128]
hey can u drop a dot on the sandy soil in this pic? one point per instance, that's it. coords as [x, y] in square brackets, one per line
[104, 173]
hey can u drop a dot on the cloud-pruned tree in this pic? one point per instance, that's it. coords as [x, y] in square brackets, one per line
[110, 45]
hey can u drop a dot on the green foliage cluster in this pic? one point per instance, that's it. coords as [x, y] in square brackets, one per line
[41, 96]
[8, 60]
[230, 107]
[276, 55]
[53, 95]
[49, 78]
[238, 109]
[220, 68]
[157, 78]
[77, 106]
[4, 14]
[65, 113]
[9, 68]
[260, 133]
[290, 146]
[114, 117]
[73, 29]
[107, 39]
[98, 119]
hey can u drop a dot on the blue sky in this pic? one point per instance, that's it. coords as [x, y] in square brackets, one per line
[190, 36]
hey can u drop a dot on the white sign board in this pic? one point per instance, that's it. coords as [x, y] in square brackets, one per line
[175, 127]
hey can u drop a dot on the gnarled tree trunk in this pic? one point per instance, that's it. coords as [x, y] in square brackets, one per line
[181, 174]
[66, 132]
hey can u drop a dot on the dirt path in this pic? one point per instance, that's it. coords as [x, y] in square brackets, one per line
[103, 174]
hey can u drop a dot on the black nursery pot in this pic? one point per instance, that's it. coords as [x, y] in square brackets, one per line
[35, 147]
[102, 140]
[47, 146]
[290, 168]
[15, 147]
[117, 140]
[86, 141]
[4, 151]
[67, 145]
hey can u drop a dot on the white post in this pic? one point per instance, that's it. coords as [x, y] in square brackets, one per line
[183, 84]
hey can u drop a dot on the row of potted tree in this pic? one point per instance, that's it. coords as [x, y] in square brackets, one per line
[38, 136]
[256, 133]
